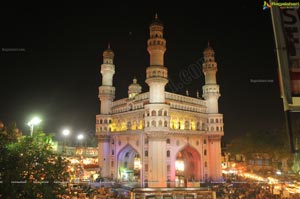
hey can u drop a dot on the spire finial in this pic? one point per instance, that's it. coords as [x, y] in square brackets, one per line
[208, 44]
[108, 46]
[187, 92]
[156, 16]
[134, 79]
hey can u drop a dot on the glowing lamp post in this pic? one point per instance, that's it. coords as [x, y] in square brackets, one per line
[32, 123]
[80, 137]
[65, 132]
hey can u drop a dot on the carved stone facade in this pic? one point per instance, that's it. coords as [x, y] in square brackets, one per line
[157, 138]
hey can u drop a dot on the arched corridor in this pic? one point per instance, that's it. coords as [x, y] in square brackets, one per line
[187, 166]
[129, 164]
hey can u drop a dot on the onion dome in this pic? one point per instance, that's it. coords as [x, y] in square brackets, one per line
[209, 50]
[134, 89]
[108, 53]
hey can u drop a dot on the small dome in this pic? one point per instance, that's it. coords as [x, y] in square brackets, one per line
[134, 88]
[108, 53]
[156, 21]
[209, 50]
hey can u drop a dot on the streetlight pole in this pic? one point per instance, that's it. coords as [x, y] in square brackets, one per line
[31, 123]
[80, 137]
[65, 133]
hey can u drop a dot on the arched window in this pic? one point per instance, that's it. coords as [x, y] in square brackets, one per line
[128, 125]
[186, 125]
[198, 125]
[101, 121]
[165, 113]
[217, 121]
[148, 124]
[217, 128]
[203, 127]
[205, 164]
[168, 141]
[153, 113]
[112, 152]
[212, 128]
[168, 153]
[204, 152]
[204, 141]
[197, 142]
[160, 123]
[160, 113]
[166, 124]
[153, 123]
[146, 153]
[211, 120]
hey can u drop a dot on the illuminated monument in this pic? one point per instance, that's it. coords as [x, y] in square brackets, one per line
[158, 138]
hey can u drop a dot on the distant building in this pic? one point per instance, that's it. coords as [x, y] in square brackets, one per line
[159, 138]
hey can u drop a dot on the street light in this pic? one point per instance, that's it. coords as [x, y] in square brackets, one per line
[65, 133]
[31, 123]
[80, 137]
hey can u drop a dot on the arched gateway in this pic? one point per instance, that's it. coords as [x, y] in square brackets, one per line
[187, 166]
[129, 164]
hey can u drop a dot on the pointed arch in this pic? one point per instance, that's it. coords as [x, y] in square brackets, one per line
[192, 162]
[125, 159]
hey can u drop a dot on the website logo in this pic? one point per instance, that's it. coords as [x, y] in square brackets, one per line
[266, 5]
[281, 5]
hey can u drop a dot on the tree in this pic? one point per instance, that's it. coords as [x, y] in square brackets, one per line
[272, 142]
[29, 168]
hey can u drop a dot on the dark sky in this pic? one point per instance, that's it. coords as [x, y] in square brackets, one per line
[56, 71]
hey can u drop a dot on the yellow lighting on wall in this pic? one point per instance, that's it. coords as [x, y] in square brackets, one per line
[134, 126]
[137, 163]
[193, 125]
[140, 125]
[123, 126]
[175, 124]
[179, 165]
[182, 125]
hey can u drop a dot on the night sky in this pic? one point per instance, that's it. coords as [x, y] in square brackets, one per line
[55, 71]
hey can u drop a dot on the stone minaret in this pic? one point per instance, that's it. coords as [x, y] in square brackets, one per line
[211, 94]
[157, 116]
[106, 96]
[107, 90]
[211, 91]
[156, 73]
